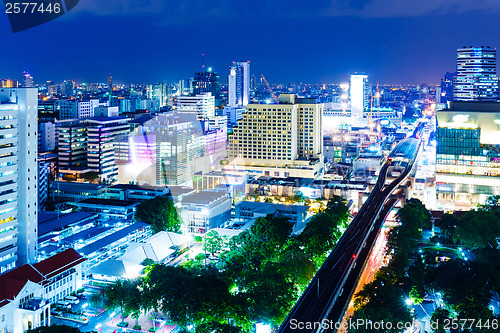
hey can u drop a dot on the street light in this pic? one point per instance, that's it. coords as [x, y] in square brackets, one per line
[409, 301]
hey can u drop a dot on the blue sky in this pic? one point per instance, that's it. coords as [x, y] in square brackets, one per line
[140, 41]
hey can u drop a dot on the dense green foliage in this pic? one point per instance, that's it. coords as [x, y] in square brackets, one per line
[465, 285]
[160, 213]
[260, 274]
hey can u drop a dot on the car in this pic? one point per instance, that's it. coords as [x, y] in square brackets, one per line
[63, 304]
[72, 299]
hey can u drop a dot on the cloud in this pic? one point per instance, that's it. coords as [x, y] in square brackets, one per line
[189, 11]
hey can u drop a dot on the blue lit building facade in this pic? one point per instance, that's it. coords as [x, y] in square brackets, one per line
[476, 75]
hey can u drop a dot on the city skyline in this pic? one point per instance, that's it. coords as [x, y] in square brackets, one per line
[323, 45]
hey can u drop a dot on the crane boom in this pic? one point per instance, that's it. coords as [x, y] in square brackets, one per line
[276, 99]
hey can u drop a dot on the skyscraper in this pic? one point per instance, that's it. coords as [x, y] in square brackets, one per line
[207, 81]
[279, 140]
[18, 171]
[27, 80]
[239, 84]
[446, 88]
[476, 75]
[360, 94]
[161, 92]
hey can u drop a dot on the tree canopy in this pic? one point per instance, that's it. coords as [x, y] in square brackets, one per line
[160, 213]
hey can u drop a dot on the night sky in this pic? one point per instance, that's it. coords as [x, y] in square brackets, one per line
[313, 41]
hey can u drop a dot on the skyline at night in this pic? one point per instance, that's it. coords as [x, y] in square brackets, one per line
[392, 42]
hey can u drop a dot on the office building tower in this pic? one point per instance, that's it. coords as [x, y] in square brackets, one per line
[72, 143]
[468, 153]
[239, 84]
[103, 136]
[51, 88]
[46, 136]
[233, 114]
[359, 95]
[445, 92]
[186, 87]
[476, 75]
[207, 81]
[167, 149]
[68, 87]
[203, 104]
[18, 177]
[27, 80]
[69, 109]
[161, 92]
[110, 83]
[279, 140]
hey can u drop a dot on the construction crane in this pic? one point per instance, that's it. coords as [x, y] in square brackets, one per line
[276, 99]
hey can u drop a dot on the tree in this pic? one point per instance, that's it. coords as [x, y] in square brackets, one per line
[298, 197]
[417, 294]
[97, 299]
[448, 223]
[160, 213]
[120, 295]
[438, 319]
[214, 242]
[478, 229]
[91, 177]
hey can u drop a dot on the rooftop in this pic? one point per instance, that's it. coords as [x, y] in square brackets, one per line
[108, 202]
[204, 197]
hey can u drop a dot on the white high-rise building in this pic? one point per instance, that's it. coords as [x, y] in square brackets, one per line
[203, 105]
[359, 93]
[239, 84]
[18, 176]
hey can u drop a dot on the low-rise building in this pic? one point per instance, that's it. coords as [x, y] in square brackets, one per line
[27, 292]
[135, 192]
[109, 208]
[205, 210]
[251, 210]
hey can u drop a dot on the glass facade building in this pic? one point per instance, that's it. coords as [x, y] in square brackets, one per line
[468, 153]
[476, 78]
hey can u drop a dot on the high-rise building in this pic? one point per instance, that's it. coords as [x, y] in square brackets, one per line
[110, 83]
[203, 104]
[51, 88]
[468, 153]
[69, 109]
[161, 92]
[445, 92]
[103, 133]
[476, 75]
[68, 87]
[18, 173]
[239, 84]
[207, 81]
[27, 80]
[359, 95]
[46, 136]
[279, 140]
[167, 149]
[72, 143]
